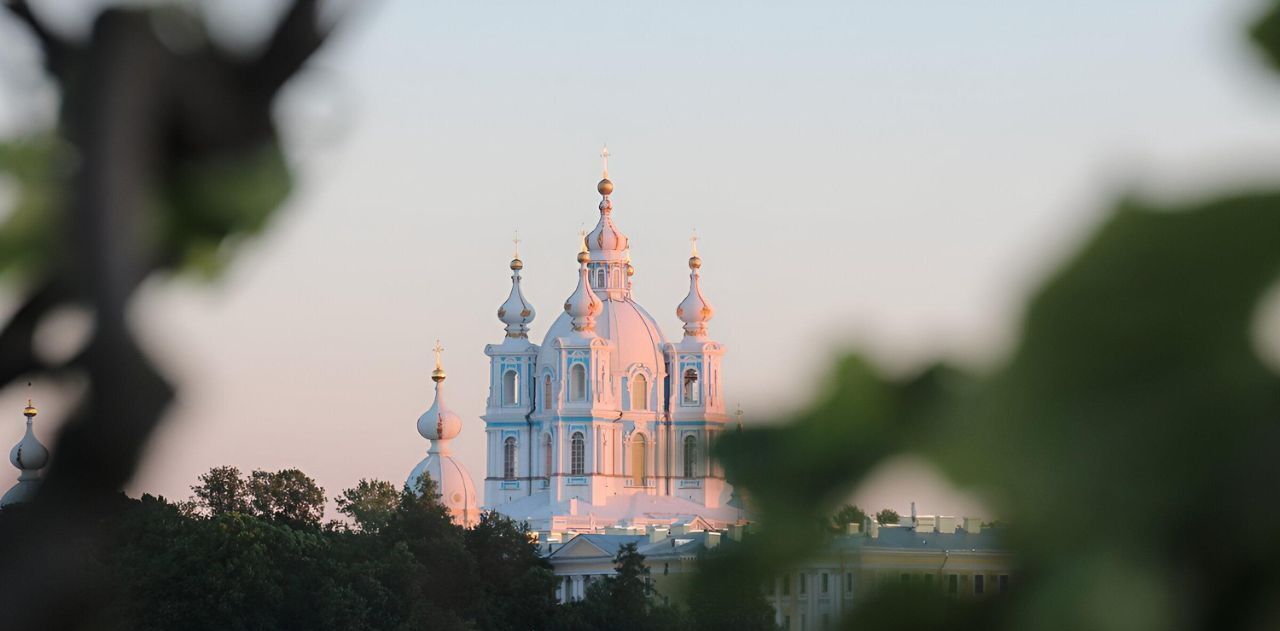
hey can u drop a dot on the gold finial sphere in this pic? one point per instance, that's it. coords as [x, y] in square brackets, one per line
[695, 262]
[605, 187]
[30, 411]
[437, 375]
[584, 257]
[517, 265]
[631, 271]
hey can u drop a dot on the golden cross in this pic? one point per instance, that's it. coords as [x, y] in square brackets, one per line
[693, 243]
[515, 239]
[582, 235]
[604, 154]
[438, 349]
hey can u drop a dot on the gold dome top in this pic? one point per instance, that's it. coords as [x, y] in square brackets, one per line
[437, 375]
[516, 264]
[695, 262]
[605, 186]
[30, 411]
[583, 255]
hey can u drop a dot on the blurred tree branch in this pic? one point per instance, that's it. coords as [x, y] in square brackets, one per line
[171, 152]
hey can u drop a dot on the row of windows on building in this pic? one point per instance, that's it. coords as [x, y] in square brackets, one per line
[638, 388]
[578, 452]
[981, 584]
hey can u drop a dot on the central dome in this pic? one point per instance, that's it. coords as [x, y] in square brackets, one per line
[633, 333]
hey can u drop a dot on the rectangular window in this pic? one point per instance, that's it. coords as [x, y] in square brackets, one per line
[803, 589]
[825, 587]
[848, 582]
[786, 587]
[979, 583]
[786, 623]
[953, 584]
[1004, 583]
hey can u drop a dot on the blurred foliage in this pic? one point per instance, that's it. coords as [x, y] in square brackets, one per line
[1131, 441]
[888, 516]
[30, 172]
[207, 209]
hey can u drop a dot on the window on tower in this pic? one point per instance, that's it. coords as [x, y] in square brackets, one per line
[577, 454]
[510, 388]
[546, 393]
[600, 278]
[509, 458]
[546, 455]
[639, 458]
[690, 456]
[690, 390]
[639, 393]
[578, 383]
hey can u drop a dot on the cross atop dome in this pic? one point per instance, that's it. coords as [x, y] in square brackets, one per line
[438, 375]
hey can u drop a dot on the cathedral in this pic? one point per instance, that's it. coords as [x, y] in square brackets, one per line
[604, 425]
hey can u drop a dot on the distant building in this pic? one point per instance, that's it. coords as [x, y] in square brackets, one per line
[29, 456]
[963, 562]
[605, 423]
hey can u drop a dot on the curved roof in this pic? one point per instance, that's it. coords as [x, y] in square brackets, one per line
[634, 334]
[453, 482]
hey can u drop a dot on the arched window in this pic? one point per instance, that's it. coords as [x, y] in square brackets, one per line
[546, 455]
[690, 389]
[638, 459]
[639, 393]
[600, 282]
[578, 383]
[509, 458]
[510, 388]
[690, 456]
[577, 454]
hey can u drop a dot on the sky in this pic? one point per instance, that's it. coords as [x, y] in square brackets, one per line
[885, 178]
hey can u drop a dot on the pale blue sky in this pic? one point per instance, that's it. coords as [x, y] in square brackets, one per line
[888, 177]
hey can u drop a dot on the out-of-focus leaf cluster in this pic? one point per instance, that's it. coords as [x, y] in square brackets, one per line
[197, 222]
[1131, 441]
[29, 173]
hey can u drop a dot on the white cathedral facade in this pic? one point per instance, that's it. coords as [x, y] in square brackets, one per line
[605, 424]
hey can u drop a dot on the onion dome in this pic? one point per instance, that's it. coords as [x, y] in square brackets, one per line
[583, 305]
[439, 423]
[694, 310]
[606, 242]
[451, 479]
[29, 456]
[516, 312]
